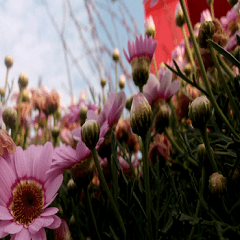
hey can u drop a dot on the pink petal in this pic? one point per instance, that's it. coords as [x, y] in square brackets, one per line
[130, 50]
[21, 163]
[172, 90]
[91, 115]
[52, 187]
[3, 224]
[5, 214]
[56, 223]
[126, 56]
[24, 234]
[13, 228]
[36, 225]
[41, 235]
[50, 211]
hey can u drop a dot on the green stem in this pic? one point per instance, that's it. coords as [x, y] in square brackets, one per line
[188, 48]
[18, 112]
[116, 72]
[109, 195]
[203, 71]
[178, 148]
[212, 9]
[103, 97]
[147, 186]
[201, 190]
[6, 82]
[155, 66]
[208, 148]
[226, 68]
[90, 209]
[224, 82]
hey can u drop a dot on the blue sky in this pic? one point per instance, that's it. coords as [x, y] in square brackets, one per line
[28, 35]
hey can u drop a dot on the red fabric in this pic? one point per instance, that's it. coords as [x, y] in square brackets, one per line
[168, 35]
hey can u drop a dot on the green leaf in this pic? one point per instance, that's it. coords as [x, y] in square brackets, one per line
[225, 53]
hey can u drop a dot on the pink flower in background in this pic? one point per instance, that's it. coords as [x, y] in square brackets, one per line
[205, 16]
[231, 16]
[26, 192]
[63, 232]
[161, 89]
[141, 48]
[153, 3]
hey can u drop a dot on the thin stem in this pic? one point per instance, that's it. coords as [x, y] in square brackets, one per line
[116, 72]
[103, 97]
[226, 68]
[178, 148]
[212, 9]
[208, 148]
[225, 85]
[189, 52]
[147, 186]
[109, 195]
[201, 190]
[6, 83]
[155, 66]
[203, 71]
[18, 112]
[90, 209]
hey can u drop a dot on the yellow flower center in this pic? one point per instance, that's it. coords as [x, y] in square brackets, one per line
[27, 203]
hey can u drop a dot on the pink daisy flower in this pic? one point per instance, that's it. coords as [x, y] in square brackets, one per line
[141, 48]
[26, 192]
[205, 16]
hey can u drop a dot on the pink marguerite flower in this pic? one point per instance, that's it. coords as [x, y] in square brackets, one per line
[26, 192]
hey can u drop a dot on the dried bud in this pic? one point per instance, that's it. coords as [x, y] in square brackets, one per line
[129, 103]
[206, 32]
[179, 16]
[8, 61]
[23, 80]
[162, 118]
[232, 2]
[2, 92]
[140, 115]
[90, 133]
[122, 81]
[103, 82]
[116, 54]
[217, 184]
[149, 27]
[200, 111]
[10, 117]
[83, 109]
[7, 145]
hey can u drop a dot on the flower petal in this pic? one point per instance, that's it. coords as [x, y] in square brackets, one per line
[13, 228]
[24, 234]
[3, 224]
[5, 214]
[50, 211]
[56, 223]
[40, 235]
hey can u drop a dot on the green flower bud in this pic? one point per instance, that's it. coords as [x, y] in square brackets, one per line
[206, 32]
[90, 133]
[116, 55]
[129, 103]
[83, 109]
[2, 92]
[8, 61]
[55, 132]
[236, 53]
[71, 187]
[122, 81]
[200, 111]
[179, 16]
[217, 184]
[201, 152]
[140, 115]
[10, 117]
[187, 69]
[103, 82]
[162, 118]
[23, 80]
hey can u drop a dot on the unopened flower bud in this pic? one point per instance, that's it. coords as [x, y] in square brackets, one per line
[2, 92]
[162, 118]
[8, 61]
[122, 81]
[71, 186]
[187, 69]
[209, 2]
[90, 133]
[150, 29]
[201, 152]
[83, 109]
[55, 132]
[236, 53]
[23, 80]
[140, 115]
[232, 2]
[217, 184]
[206, 32]
[116, 54]
[200, 111]
[140, 70]
[179, 16]
[25, 96]
[10, 117]
[128, 104]
[103, 82]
